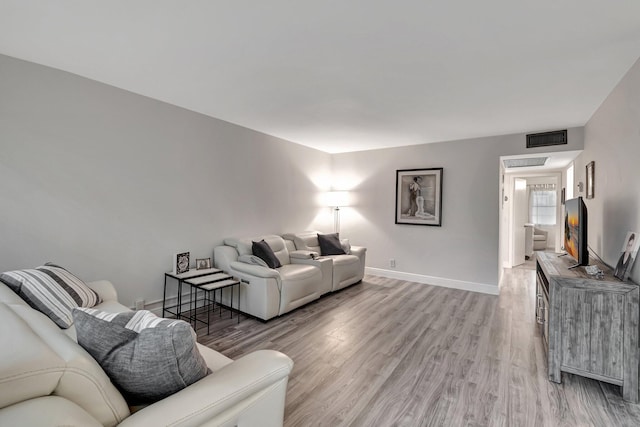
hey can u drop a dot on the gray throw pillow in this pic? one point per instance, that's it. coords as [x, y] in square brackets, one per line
[330, 244]
[51, 290]
[263, 251]
[147, 357]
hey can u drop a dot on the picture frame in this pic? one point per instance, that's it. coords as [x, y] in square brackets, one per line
[419, 196]
[203, 263]
[590, 175]
[181, 262]
[628, 254]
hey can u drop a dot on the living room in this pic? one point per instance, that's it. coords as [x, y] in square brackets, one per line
[111, 183]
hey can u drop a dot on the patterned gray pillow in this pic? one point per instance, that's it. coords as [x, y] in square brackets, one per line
[51, 290]
[147, 357]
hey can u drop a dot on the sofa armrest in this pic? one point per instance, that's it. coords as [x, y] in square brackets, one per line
[358, 251]
[218, 392]
[105, 289]
[302, 254]
[255, 270]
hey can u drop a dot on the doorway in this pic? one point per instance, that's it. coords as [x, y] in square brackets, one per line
[531, 214]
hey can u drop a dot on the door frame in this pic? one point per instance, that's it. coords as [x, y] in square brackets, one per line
[506, 228]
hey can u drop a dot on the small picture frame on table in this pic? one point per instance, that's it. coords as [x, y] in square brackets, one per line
[203, 263]
[181, 262]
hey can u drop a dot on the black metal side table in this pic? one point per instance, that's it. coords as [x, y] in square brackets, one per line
[207, 280]
[209, 284]
[176, 309]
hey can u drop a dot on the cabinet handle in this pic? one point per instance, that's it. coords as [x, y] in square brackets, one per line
[540, 319]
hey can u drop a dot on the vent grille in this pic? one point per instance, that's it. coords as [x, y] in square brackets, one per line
[523, 163]
[545, 139]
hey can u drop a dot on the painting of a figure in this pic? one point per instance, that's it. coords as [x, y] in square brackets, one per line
[419, 196]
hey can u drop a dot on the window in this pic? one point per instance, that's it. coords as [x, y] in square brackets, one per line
[569, 190]
[542, 204]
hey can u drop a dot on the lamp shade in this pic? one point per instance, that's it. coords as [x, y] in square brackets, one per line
[337, 198]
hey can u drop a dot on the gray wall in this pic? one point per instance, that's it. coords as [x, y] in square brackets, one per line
[465, 248]
[111, 184]
[612, 139]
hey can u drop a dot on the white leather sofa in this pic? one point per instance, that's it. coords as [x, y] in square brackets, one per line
[47, 379]
[346, 269]
[265, 292]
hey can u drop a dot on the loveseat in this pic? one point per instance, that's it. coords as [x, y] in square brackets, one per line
[347, 268]
[303, 276]
[47, 379]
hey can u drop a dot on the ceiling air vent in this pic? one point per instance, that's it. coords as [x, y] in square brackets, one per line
[523, 163]
[558, 137]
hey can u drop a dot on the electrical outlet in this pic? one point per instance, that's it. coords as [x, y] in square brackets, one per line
[140, 304]
[392, 263]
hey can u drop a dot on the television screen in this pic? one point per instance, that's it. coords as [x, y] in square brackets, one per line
[575, 230]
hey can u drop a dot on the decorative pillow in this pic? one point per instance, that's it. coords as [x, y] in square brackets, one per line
[330, 244]
[252, 259]
[51, 290]
[147, 357]
[346, 246]
[263, 251]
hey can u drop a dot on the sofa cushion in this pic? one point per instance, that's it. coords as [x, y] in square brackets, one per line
[51, 290]
[330, 244]
[148, 358]
[346, 246]
[263, 251]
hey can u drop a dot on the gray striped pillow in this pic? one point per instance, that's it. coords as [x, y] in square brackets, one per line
[51, 290]
[147, 357]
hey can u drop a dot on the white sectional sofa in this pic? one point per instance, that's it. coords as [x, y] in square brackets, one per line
[303, 277]
[47, 379]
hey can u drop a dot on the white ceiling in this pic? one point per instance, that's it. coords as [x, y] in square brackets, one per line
[345, 75]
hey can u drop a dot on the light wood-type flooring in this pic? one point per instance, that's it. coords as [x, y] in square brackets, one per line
[394, 353]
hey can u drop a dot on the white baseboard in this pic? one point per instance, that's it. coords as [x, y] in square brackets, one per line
[156, 306]
[436, 281]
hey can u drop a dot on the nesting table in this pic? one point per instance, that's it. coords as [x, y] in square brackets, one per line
[204, 282]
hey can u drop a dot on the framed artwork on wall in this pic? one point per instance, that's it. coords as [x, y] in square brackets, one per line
[590, 171]
[419, 196]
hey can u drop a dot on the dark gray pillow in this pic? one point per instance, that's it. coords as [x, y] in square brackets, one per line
[330, 244]
[263, 251]
[51, 290]
[148, 358]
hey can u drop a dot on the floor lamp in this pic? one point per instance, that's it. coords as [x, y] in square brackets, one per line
[337, 199]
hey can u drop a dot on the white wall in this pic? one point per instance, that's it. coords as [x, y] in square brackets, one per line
[612, 139]
[111, 184]
[464, 251]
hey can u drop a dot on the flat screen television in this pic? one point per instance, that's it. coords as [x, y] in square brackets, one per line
[575, 231]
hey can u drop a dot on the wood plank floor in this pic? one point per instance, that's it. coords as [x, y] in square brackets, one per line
[394, 353]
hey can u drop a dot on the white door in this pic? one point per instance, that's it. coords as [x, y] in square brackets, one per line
[520, 216]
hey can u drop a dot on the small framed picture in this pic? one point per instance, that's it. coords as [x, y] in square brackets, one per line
[590, 172]
[203, 263]
[627, 255]
[181, 262]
